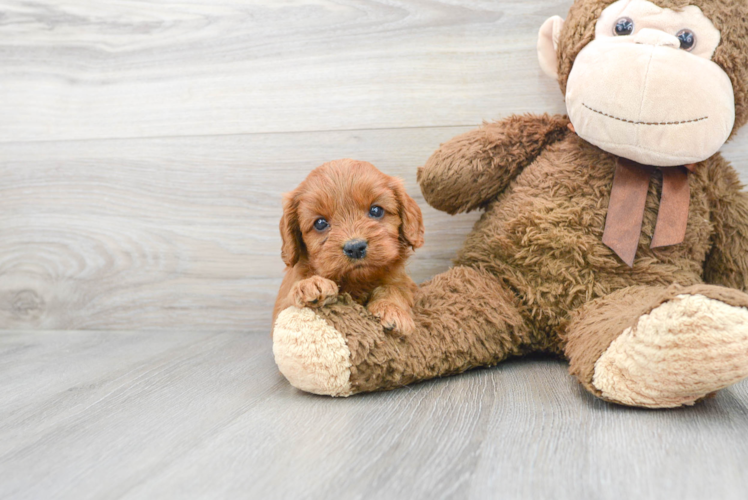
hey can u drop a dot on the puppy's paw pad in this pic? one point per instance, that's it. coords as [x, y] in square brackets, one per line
[314, 292]
[394, 318]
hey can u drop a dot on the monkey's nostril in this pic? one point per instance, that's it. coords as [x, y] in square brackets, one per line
[355, 249]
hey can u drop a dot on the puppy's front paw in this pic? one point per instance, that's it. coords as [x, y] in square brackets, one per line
[314, 292]
[393, 317]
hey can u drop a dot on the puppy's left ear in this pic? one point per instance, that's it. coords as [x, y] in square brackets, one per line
[293, 244]
[411, 229]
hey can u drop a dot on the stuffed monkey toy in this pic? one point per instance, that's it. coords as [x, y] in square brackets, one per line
[616, 237]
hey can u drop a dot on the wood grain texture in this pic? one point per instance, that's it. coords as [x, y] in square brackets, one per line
[171, 223]
[175, 232]
[171, 233]
[76, 69]
[207, 415]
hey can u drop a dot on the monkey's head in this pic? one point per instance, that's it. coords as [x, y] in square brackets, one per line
[661, 82]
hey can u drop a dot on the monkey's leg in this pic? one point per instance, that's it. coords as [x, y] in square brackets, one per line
[660, 347]
[464, 319]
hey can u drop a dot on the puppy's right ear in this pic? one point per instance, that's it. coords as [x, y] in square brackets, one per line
[411, 229]
[293, 244]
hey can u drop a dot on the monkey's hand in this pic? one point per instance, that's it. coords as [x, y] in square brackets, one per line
[727, 262]
[470, 170]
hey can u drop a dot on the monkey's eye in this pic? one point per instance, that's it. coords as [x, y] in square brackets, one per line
[321, 224]
[687, 39]
[376, 212]
[624, 26]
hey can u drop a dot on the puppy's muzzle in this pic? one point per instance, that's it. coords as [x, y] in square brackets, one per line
[355, 249]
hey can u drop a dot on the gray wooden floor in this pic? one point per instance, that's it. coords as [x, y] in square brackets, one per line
[144, 147]
[180, 415]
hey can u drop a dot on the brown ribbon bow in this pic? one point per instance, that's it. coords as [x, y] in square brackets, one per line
[623, 224]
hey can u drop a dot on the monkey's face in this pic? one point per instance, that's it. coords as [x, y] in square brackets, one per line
[646, 88]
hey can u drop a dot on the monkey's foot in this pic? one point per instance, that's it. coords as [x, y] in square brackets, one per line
[337, 350]
[311, 353]
[680, 352]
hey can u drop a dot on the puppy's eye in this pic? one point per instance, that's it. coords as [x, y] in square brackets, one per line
[624, 26]
[376, 212]
[321, 224]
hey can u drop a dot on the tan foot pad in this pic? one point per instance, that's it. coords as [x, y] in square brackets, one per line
[311, 354]
[680, 352]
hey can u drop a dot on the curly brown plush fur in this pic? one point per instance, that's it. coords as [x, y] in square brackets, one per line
[534, 274]
[536, 256]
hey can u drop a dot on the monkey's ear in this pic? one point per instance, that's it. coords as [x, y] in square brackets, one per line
[293, 245]
[411, 228]
[547, 45]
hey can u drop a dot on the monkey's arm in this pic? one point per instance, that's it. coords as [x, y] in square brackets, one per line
[727, 262]
[471, 169]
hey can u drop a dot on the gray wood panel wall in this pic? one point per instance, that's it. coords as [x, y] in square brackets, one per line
[144, 147]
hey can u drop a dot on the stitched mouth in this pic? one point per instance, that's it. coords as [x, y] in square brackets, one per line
[645, 123]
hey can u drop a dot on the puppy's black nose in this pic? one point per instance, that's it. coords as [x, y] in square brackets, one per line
[355, 249]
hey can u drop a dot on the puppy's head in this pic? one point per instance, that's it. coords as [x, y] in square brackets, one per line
[349, 219]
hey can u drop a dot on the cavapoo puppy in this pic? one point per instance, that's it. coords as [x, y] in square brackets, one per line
[350, 228]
